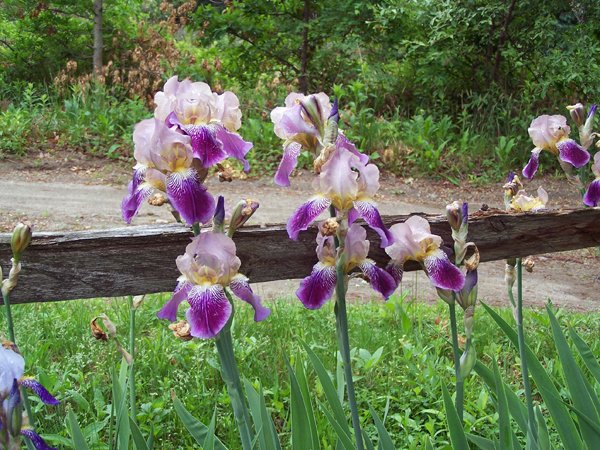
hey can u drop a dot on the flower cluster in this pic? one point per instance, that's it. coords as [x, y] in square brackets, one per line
[517, 199]
[193, 129]
[12, 423]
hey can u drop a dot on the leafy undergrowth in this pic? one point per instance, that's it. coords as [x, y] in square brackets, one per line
[401, 356]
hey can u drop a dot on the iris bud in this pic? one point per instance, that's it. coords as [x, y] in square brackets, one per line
[577, 112]
[21, 239]
[242, 212]
[453, 213]
[467, 361]
[219, 217]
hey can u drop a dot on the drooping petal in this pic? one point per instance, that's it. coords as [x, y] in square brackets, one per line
[136, 194]
[532, 166]
[209, 311]
[169, 310]
[206, 147]
[240, 287]
[234, 145]
[379, 279]
[573, 153]
[592, 195]
[343, 142]
[39, 390]
[396, 271]
[190, 197]
[35, 438]
[318, 287]
[442, 273]
[305, 214]
[288, 164]
[368, 211]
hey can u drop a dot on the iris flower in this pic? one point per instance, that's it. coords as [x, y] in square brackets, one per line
[318, 287]
[592, 195]
[525, 203]
[413, 241]
[302, 122]
[551, 133]
[209, 119]
[208, 265]
[165, 162]
[349, 185]
[12, 366]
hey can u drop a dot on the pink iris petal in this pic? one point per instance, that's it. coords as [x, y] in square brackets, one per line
[596, 165]
[356, 244]
[169, 310]
[532, 166]
[143, 134]
[545, 131]
[39, 390]
[189, 197]
[228, 111]
[136, 194]
[292, 122]
[368, 211]
[442, 273]
[573, 153]
[343, 142]
[379, 279]
[592, 195]
[234, 145]
[214, 251]
[209, 310]
[240, 287]
[35, 438]
[288, 164]
[337, 179]
[325, 247]
[305, 214]
[12, 367]
[318, 287]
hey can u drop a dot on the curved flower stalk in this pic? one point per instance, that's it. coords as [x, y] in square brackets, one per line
[592, 194]
[208, 266]
[413, 241]
[209, 119]
[165, 162]
[551, 133]
[302, 123]
[13, 425]
[318, 287]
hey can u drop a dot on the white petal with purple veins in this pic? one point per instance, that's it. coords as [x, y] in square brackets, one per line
[318, 287]
[209, 311]
[288, 163]
[573, 153]
[305, 215]
[190, 197]
[442, 273]
[379, 279]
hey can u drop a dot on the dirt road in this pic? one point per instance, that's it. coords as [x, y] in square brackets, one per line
[86, 193]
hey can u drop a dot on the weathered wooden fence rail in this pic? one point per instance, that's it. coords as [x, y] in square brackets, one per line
[141, 259]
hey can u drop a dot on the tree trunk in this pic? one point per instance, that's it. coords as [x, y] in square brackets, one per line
[97, 37]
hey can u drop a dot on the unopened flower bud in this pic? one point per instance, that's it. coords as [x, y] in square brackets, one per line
[15, 410]
[453, 213]
[158, 199]
[219, 217]
[446, 294]
[467, 361]
[21, 238]
[329, 227]
[529, 264]
[181, 330]
[577, 112]
[242, 212]
[331, 128]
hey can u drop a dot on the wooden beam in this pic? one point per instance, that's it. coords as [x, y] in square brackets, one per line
[141, 259]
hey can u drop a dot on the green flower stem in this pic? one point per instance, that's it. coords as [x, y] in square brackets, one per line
[196, 228]
[460, 383]
[132, 395]
[522, 354]
[231, 377]
[344, 346]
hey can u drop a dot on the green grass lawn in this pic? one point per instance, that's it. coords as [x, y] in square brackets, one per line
[401, 355]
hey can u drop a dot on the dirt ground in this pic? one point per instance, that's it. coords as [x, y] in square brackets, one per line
[75, 192]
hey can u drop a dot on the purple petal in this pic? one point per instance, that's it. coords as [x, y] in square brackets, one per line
[343, 142]
[205, 144]
[135, 195]
[318, 287]
[292, 122]
[240, 287]
[532, 166]
[465, 213]
[368, 211]
[234, 146]
[305, 214]
[470, 282]
[35, 438]
[13, 399]
[379, 279]
[442, 273]
[39, 390]
[352, 216]
[288, 164]
[189, 197]
[573, 153]
[209, 312]
[169, 310]
[592, 195]
[511, 176]
[396, 271]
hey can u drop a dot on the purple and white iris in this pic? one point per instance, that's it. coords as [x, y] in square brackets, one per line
[12, 366]
[592, 195]
[302, 123]
[208, 266]
[165, 162]
[318, 287]
[349, 185]
[523, 202]
[413, 241]
[551, 133]
[209, 119]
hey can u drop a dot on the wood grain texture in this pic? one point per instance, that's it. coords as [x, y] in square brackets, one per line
[141, 259]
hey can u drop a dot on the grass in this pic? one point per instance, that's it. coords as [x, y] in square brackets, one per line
[401, 381]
